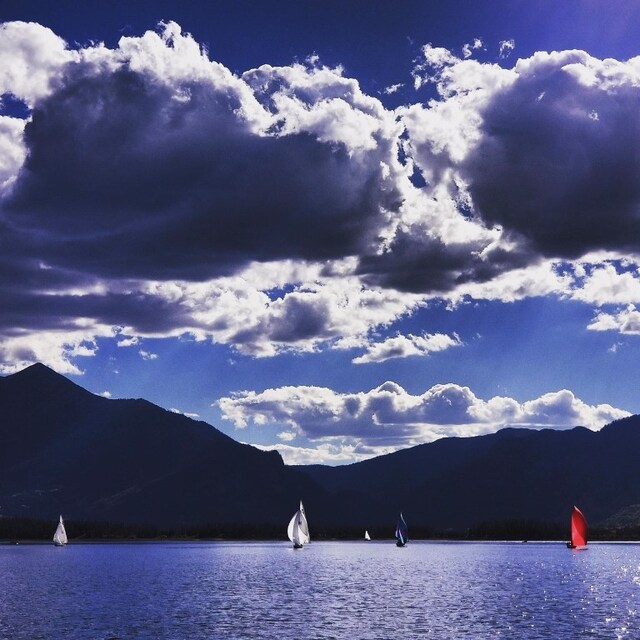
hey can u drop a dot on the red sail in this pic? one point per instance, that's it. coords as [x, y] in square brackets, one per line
[578, 528]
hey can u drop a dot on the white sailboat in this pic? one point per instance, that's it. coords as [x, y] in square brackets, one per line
[367, 537]
[60, 536]
[298, 529]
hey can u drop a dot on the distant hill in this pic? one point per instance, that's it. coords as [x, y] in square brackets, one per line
[627, 518]
[514, 474]
[65, 450]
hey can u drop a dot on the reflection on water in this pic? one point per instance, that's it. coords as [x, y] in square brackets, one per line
[327, 590]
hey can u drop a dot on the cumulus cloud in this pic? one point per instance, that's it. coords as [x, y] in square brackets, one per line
[614, 282]
[400, 346]
[37, 58]
[390, 417]
[149, 185]
[323, 453]
[182, 149]
[626, 321]
[534, 159]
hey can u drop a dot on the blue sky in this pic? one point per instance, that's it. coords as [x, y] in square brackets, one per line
[336, 229]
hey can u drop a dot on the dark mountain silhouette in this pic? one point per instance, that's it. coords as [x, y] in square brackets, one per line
[63, 449]
[514, 474]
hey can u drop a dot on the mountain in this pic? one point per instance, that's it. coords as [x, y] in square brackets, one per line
[63, 449]
[517, 474]
[626, 518]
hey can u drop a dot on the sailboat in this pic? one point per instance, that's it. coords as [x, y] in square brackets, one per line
[578, 530]
[401, 532]
[60, 536]
[298, 529]
[367, 537]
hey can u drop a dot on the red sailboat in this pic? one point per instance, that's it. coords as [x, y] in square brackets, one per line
[578, 530]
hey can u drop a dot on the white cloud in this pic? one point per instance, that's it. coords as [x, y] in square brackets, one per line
[58, 349]
[626, 322]
[12, 151]
[401, 346]
[469, 48]
[37, 57]
[147, 355]
[253, 312]
[506, 48]
[324, 453]
[350, 246]
[605, 283]
[388, 417]
[394, 88]
[106, 394]
[184, 413]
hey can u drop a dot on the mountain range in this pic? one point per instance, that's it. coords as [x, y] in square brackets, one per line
[66, 450]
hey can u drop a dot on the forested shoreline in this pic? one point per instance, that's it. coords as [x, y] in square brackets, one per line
[28, 529]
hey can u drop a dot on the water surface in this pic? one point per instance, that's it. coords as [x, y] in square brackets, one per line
[354, 590]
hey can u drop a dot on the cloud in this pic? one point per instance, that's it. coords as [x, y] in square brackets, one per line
[323, 453]
[149, 163]
[394, 88]
[149, 185]
[548, 171]
[388, 417]
[506, 48]
[469, 48]
[183, 138]
[37, 58]
[12, 151]
[536, 155]
[614, 282]
[626, 322]
[400, 346]
[194, 416]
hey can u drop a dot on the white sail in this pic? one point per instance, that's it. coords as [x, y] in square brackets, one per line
[367, 536]
[60, 536]
[304, 525]
[298, 529]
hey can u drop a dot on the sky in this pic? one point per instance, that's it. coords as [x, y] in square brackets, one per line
[332, 228]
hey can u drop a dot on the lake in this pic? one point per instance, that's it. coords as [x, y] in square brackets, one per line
[355, 590]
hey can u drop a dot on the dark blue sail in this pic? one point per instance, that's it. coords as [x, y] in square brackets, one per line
[401, 532]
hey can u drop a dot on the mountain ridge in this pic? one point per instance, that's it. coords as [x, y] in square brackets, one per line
[64, 449]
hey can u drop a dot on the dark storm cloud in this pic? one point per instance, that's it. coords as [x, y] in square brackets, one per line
[418, 263]
[142, 313]
[127, 177]
[558, 161]
[296, 318]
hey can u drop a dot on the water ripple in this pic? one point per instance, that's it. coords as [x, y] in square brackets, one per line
[369, 591]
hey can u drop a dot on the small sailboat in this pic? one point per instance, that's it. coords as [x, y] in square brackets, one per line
[298, 529]
[60, 536]
[367, 537]
[401, 532]
[579, 529]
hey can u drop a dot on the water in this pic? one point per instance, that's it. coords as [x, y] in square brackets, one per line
[330, 590]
